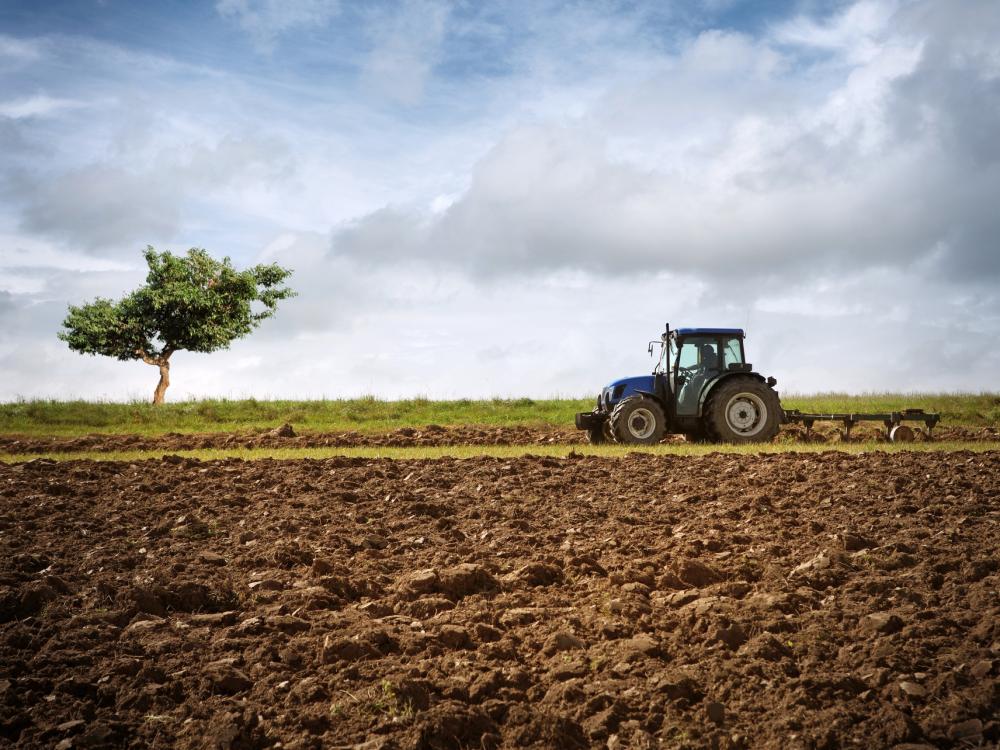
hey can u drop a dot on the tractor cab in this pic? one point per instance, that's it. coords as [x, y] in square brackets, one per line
[695, 370]
[690, 358]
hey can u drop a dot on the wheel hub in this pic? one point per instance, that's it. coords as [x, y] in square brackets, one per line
[746, 413]
[641, 424]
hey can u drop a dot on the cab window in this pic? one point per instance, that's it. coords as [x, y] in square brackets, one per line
[698, 352]
[732, 353]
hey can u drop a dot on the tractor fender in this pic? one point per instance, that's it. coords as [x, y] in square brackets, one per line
[710, 386]
[653, 396]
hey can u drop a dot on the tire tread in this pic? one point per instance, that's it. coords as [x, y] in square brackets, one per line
[622, 406]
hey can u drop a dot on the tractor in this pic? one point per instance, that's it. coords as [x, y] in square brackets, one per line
[701, 387]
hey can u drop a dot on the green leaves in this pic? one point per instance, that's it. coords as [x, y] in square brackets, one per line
[192, 302]
[104, 327]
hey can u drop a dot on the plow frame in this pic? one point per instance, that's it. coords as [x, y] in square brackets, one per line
[891, 420]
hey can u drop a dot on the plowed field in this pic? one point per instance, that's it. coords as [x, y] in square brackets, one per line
[406, 437]
[734, 601]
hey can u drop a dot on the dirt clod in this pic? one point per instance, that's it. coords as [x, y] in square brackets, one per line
[882, 622]
[854, 542]
[284, 431]
[696, 573]
[466, 579]
[563, 641]
[966, 730]
[225, 678]
[716, 712]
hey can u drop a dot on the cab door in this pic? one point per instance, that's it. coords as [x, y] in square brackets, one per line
[697, 362]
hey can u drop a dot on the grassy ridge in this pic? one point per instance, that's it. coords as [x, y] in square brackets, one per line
[68, 418]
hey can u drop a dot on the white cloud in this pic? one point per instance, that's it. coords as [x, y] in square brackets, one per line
[407, 43]
[404, 332]
[659, 175]
[267, 20]
[20, 251]
[38, 105]
[19, 50]
[724, 53]
[856, 33]
[104, 207]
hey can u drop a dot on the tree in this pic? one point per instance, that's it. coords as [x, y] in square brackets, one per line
[192, 302]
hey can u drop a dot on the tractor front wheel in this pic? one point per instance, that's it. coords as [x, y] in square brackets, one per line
[742, 410]
[638, 420]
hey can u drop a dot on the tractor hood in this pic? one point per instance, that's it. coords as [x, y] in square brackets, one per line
[619, 389]
[638, 383]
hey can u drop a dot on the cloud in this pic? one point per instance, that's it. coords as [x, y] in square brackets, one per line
[856, 33]
[891, 163]
[13, 141]
[549, 198]
[99, 206]
[104, 207]
[403, 332]
[19, 50]
[407, 45]
[38, 105]
[267, 20]
[331, 293]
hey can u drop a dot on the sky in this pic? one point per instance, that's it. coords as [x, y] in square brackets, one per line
[509, 199]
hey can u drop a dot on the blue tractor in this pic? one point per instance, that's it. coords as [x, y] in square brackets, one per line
[702, 387]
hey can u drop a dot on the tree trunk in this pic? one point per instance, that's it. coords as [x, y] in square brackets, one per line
[163, 362]
[161, 387]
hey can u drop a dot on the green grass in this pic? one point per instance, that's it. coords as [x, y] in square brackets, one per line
[69, 418]
[505, 451]
[968, 409]
[220, 415]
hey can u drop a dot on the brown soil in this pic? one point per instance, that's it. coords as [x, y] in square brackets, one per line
[431, 435]
[780, 601]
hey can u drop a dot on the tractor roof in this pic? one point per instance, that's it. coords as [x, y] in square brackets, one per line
[710, 332]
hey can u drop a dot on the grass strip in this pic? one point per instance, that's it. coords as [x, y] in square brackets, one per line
[505, 451]
[71, 418]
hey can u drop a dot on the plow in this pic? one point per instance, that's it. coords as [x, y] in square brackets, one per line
[895, 429]
[703, 388]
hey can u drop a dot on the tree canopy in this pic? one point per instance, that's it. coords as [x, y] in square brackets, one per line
[192, 302]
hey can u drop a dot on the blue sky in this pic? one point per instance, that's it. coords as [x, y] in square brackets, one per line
[511, 198]
[314, 39]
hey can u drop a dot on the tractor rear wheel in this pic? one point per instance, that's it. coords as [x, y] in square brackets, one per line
[638, 420]
[742, 410]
